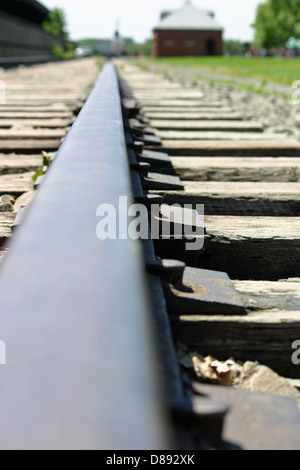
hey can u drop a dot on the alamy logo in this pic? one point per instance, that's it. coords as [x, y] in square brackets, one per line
[2, 353]
[2, 92]
[296, 354]
[296, 93]
[132, 222]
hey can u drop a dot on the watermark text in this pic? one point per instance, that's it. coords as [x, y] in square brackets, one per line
[2, 353]
[296, 354]
[2, 92]
[296, 93]
[167, 222]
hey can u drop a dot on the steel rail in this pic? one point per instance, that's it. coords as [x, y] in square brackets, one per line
[80, 371]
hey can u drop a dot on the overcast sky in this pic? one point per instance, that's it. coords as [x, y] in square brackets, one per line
[98, 18]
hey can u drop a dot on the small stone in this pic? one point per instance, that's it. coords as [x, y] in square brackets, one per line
[7, 203]
[259, 378]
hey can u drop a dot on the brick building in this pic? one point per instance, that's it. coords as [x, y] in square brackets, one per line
[188, 31]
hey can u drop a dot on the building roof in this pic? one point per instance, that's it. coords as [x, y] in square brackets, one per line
[189, 18]
[29, 10]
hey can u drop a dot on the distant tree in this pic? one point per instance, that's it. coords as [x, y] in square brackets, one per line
[276, 21]
[234, 47]
[88, 42]
[135, 48]
[56, 23]
[147, 46]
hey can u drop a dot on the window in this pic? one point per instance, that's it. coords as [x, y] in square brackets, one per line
[169, 43]
[190, 43]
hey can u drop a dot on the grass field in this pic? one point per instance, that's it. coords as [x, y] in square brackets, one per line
[279, 70]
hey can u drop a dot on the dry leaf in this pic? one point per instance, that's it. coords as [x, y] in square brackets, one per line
[216, 372]
[209, 369]
[203, 369]
[223, 372]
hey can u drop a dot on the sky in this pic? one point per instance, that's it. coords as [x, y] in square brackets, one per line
[137, 18]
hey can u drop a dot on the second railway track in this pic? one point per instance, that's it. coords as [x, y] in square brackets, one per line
[103, 336]
[38, 106]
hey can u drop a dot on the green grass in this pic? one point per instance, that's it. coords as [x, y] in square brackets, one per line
[100, 61]
[143, 66]
[278, 70]
[251, 88]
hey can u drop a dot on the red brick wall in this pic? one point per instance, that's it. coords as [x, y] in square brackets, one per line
[186, 43]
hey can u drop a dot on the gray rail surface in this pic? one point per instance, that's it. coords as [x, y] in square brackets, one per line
[80, 371]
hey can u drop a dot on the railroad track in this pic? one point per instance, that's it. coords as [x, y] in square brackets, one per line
[41, 103]
[105, 339]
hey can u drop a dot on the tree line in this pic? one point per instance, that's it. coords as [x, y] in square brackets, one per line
[276, 21]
